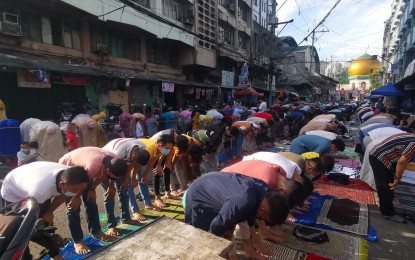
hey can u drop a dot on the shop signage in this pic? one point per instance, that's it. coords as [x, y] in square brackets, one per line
[227, 78]
[33, 78]
[167, 87]
[71, 80]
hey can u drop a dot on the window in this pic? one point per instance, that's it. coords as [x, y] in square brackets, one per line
[158, 53]
[226, 34]
[117, 45]
[145, 3]
[51, 31]
[255, 18]
[256, 2]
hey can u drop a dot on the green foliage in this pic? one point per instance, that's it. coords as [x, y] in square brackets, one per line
[374, 79]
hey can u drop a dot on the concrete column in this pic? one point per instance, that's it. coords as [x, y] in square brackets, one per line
[85, 39]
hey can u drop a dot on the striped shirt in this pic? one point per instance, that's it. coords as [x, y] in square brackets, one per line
[394, 147]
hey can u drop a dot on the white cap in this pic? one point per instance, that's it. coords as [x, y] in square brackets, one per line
[255, 125]
[242, 128]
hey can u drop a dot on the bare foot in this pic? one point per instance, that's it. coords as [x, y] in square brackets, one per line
[57, 257]
[171, 196]
[130, 222]
[81, 248]
[159, 203]
[112, 232]
[176, 193]
[153, 207]
[138, 216]
[290, 219]
[104, 237]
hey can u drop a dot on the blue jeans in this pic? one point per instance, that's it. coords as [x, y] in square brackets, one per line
[145, 193]
[131, 196]
[92, 218]
[109, 203]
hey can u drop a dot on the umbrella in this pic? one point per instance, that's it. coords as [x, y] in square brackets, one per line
[388, 90]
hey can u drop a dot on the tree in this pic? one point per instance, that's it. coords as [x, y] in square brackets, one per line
[374, 79]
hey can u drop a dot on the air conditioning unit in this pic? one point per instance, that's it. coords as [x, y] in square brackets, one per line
[232, 7]
[102, 48]
[10, 24]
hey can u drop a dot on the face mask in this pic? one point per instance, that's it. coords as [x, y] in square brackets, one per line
[165, 151]
[69, 194]
[26, 151]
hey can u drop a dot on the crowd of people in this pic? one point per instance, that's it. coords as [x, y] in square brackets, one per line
[188, 151]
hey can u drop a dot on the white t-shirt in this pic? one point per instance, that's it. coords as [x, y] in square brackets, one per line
[379, 134]
[123, 146]
[278, 159]
[139, 130]
[22, 156]
[262, 106]
[37, 180]
[325, 134]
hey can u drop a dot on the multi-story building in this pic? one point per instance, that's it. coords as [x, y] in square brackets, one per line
[300, 67]
[398, 52]
[108, 51]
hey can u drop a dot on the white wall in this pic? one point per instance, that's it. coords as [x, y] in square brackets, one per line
[132, 17]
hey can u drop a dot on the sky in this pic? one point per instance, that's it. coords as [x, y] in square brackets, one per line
[355, 26]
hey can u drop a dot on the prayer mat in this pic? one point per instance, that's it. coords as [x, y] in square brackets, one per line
[356, 190]
[340, 246]
[345, 215]
[348, 163]
[349, 152]
[279, 252]
[174, 209]
[309, 217]
[124, 229]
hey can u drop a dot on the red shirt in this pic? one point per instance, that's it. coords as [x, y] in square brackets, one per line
[73, 142]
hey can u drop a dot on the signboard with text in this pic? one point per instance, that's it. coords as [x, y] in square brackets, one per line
[33, 78]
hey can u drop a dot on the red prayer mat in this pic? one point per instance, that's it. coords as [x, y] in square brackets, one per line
[356, 190]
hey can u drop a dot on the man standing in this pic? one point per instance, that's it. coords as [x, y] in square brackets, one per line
[101, 165]
[263, 105]
[50, 184]
[389, 160]
[217, 201]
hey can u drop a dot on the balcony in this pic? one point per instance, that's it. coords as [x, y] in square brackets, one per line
[411, 7]
[407, 16]
[409, 40]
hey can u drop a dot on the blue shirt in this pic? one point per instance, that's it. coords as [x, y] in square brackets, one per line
[169, 118]
[217, 201]
[296, 116]
[310, 143]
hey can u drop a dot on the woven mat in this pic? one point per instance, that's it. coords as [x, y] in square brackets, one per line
[174, 209]
[347, 192]
[340, 246]
[362, 226]
[349, 152]
[279, 252]
[405, 202]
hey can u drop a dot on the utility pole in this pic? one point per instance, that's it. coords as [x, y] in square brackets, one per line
[312, 48]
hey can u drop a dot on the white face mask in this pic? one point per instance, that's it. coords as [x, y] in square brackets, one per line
[69, 194]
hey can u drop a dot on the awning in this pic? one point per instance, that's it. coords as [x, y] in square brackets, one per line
[247, 92]
[388, 90]
[25, 63]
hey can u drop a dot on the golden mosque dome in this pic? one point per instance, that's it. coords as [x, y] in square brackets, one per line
[364, 65]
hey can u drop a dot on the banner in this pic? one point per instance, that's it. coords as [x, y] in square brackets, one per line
[33, 79]
[71, 80]
[167, 87]
[227, 78]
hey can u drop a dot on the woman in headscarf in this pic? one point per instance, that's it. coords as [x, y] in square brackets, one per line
[48, 137]
[87, 130]
[25, 127]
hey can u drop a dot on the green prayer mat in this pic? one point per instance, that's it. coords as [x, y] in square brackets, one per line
[174, 209]
[123, 229]
[349, 152]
